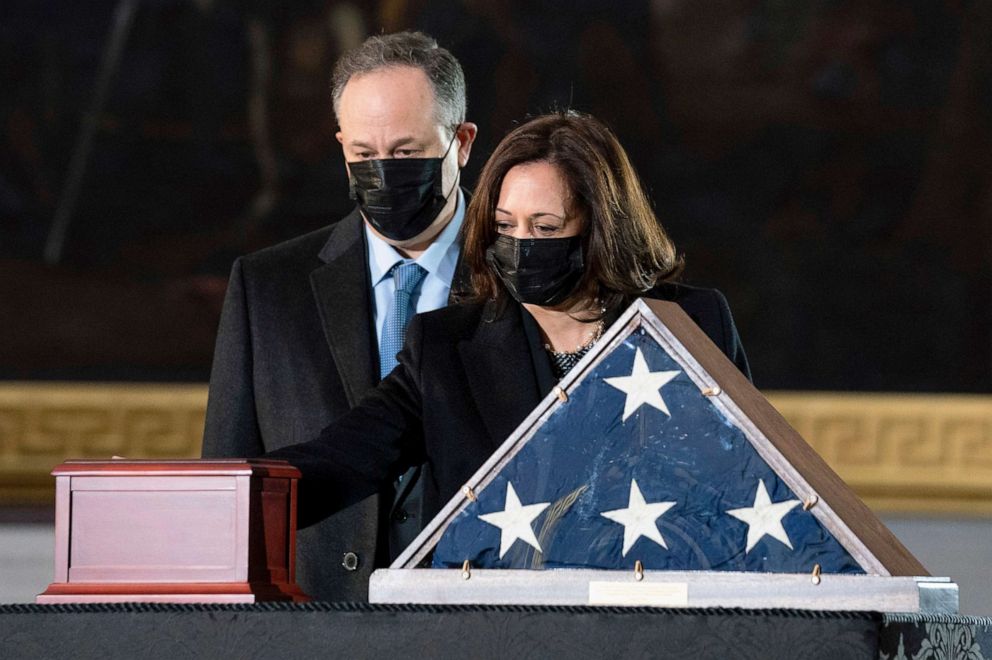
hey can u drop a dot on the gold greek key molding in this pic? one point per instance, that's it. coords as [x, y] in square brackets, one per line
[900, 452]
[42, 424]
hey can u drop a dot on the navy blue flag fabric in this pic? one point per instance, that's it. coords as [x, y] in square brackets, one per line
[639, 464]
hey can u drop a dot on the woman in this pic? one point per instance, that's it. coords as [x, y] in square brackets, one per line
[560, 223]
[559, 239]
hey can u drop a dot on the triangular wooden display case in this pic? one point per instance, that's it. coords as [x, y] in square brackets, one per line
[893, 579]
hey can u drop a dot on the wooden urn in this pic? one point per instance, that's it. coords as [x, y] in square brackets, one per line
[180, 531]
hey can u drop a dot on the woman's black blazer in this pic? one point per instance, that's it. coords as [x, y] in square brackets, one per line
[463, 384]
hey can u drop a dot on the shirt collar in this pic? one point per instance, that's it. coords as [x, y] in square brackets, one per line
[439, 259]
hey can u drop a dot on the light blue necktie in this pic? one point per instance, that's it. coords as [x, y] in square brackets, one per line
[407, 276]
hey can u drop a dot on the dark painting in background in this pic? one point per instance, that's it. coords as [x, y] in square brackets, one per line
[827, 164]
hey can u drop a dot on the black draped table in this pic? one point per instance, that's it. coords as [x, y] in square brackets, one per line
[339, 630]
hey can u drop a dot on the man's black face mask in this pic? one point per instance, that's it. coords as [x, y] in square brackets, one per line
[400, 197]
[537, 271]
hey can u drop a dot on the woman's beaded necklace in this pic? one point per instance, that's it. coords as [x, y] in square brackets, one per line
[563, 361]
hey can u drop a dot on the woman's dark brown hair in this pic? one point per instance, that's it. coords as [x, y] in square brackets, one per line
[625, 248]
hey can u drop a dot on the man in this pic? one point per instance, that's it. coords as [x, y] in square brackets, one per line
[312, 324]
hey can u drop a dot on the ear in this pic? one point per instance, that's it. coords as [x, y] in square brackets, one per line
[466, 133]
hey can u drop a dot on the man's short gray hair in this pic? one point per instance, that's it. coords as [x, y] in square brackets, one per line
[414, 49]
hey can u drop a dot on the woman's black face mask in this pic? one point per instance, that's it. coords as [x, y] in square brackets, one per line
[538, 271]
[400, 197]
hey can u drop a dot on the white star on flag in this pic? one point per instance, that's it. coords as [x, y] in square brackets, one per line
[638, 519]
[764, 518]
[514, 521]
[642, 386]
